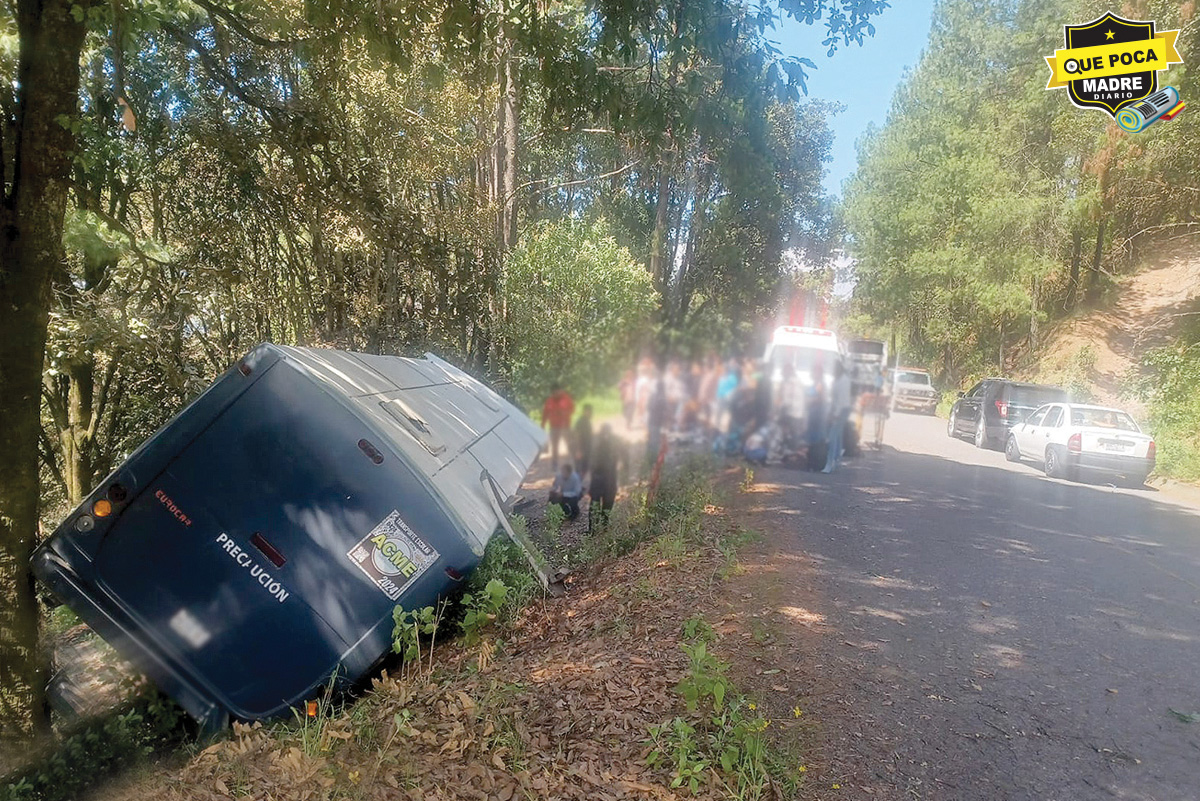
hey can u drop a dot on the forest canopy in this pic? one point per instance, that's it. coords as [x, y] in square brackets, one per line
[986, 206]
[186, 179]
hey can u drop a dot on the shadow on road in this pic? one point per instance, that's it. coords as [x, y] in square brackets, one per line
[1002, 634]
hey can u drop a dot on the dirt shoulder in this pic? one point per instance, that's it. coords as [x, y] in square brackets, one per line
[775, 634]
[561, 703]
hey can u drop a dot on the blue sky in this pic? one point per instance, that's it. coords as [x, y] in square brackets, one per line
[860, 78]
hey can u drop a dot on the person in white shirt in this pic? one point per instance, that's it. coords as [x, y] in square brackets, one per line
[567, 490]
[839, 413]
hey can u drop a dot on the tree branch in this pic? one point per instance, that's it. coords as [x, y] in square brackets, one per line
[1125, 242]
[110, 372]
[49, 458]
[55, 402]
[222, 76]
[581, 181]
[241, 28]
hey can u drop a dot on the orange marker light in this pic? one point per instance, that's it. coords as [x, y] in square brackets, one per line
[312, 709]
[102, 508]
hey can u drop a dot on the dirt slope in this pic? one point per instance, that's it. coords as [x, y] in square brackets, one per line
[1103, 345]
[560, 709]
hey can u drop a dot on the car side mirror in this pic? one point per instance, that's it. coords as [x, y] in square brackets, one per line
[962, 394]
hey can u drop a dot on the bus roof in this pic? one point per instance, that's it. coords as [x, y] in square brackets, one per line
[801, 336]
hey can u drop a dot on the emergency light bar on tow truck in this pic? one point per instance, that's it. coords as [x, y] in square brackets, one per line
[256, 546]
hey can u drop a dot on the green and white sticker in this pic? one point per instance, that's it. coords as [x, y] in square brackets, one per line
[392, 556]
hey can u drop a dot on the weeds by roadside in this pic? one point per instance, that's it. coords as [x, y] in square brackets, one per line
[533, 699]
[722, 739]
[1171, 376]
[148, 723]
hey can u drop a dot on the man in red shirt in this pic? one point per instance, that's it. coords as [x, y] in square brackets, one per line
[556, 413]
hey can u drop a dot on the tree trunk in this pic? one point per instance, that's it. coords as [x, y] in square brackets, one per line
[1000, 350]
[31, 251]
[504, 187]
[510, 110]
[1076, 258]
[507, 135]
[1093, 282]
[1034, 329]
[658, 240]
[77, 439]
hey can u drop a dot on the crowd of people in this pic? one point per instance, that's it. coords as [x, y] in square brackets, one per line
[742, 408]
[736, 405]
[587, 456]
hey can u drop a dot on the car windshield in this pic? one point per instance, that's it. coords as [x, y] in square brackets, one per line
[1103, 418]
[906, 377]
[865, 348]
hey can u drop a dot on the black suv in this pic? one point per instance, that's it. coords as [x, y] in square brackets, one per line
[995, 405]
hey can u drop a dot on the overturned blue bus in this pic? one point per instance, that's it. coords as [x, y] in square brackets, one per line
[256, 546]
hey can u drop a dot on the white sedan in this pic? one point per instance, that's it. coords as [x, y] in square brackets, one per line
[1068, 438]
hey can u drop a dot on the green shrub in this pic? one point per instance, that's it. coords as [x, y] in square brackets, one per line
[146, 724]
[504, 562]
[482, 609]
[944, 406]
[723, 734]
[577, 304]
[409, 626]
[1171, 388]
[1074, 374]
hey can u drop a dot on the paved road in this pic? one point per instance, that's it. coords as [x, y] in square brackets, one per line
[1007, 636]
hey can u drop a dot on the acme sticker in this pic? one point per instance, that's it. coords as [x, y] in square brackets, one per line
[392, 555]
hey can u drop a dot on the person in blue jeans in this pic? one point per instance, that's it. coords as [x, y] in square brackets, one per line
[839, 405]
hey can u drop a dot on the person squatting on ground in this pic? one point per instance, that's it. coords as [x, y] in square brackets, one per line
[556, 413]
[755, 450]
[567, 490]
[839, 405]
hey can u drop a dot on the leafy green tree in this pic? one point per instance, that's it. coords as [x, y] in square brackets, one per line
[956, 212]
[576, 306]
[357, 174]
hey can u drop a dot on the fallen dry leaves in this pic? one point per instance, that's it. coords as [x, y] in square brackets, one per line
[560, 710]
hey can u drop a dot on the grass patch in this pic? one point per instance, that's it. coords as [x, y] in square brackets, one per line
[504, 561]
[147, 724]
[1170, 390]
[605, 404]
[722, 740]
[60, 620]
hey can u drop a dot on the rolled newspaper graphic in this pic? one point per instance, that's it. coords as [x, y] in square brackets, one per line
[1136, 117]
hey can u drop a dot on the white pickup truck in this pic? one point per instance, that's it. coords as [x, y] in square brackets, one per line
[913, 389]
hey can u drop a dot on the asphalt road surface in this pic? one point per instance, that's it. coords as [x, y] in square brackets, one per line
[1006, 635]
